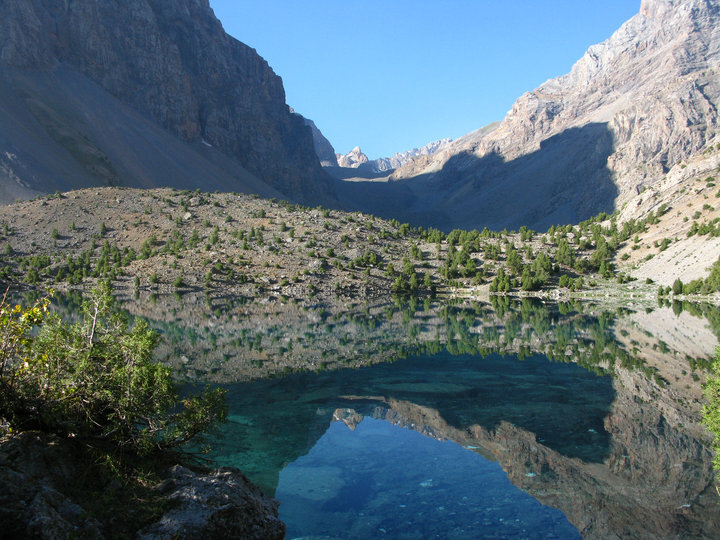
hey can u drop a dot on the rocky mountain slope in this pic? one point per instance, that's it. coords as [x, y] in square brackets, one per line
[401, 158]
[629, 110]
[166, 240]
[353, 159]
[357, 159]
[671, 248]
[143, 93]
[323, 148]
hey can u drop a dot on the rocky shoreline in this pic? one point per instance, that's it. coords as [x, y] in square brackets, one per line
[39, 476]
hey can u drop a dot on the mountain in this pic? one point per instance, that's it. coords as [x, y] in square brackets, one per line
[401, 158]
[629, 110]
[356, 159]
[143, 93]
[323, 148]
[353, 159]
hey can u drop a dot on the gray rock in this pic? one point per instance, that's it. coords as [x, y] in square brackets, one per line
[36, 469]
[323, 148]
[353, 159]
[356, 159]
[221, 504]
[170, 61]
[401, 158]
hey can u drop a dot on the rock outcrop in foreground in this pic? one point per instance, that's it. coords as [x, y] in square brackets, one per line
[220, 504]
[143, 93]
[37, 471]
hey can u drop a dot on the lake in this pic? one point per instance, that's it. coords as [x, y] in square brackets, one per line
[507, 419]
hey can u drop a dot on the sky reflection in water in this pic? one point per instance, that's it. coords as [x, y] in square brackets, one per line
[386, 481]
[620, 456]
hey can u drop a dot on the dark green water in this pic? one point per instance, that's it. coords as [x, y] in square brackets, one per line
[456, 441]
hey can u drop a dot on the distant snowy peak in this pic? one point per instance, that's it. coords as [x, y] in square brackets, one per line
[356, 158]
[353, 159]
[399, 159]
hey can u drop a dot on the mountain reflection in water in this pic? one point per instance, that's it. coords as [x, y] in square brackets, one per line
[591, 410]
[380, 480]
[439, 395]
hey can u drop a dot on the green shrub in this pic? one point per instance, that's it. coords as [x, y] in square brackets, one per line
[95, 381]
[711, 409]
[677, 287]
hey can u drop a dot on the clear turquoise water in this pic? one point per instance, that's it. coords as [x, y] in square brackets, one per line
[397, 480]
[386, 481]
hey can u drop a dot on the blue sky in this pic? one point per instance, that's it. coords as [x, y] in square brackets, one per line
[390, 75]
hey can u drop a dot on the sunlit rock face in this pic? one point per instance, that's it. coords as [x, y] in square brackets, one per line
[173, 63]
[353, 159]
[632, 107]
[357, 159]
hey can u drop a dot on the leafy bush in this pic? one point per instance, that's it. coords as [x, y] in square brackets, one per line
[711, 409]
[95, 381]
[677, 287]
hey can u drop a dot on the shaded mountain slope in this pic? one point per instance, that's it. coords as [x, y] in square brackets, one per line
[170, 62]
[474, 191]
[60, 131]
[631, 108]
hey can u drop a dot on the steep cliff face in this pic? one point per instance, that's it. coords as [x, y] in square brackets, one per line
[323, 148]
[654, 83]
[173, 63]
[631, 108]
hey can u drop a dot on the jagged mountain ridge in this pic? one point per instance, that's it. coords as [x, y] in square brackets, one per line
[357, 159]
[353, 159]
[222, 107]
[401, 158]
[631, 108]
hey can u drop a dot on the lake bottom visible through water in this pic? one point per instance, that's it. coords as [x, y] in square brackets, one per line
[596, 414]
[385, 481]
[378, 452]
